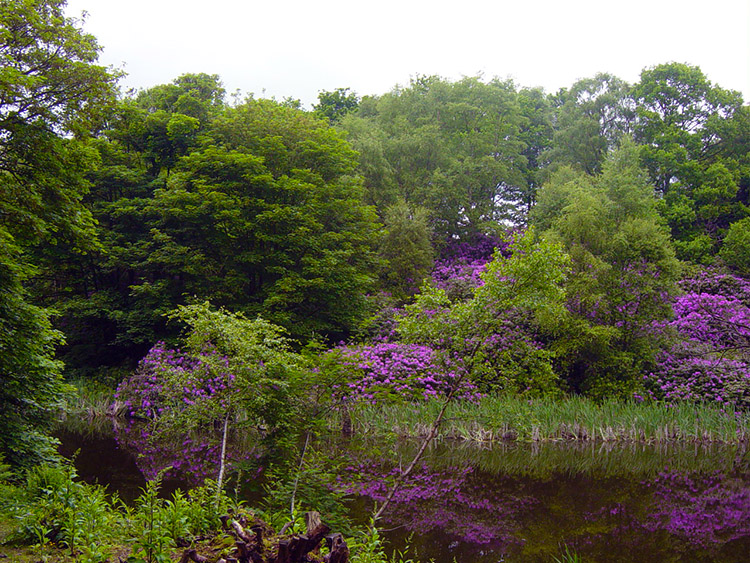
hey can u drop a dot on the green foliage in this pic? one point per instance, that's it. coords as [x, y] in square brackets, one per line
[568, 557]
[31, 388]
[53, 507]
[53, 94]
[592, 116]
[154, 523]
[336, 104]
[502, 417]
[535, 133]
[52, 90]
[368, 547]
[406, 249]
[264, 216]
[233, 372]
[525, 292]
[452, 148]
[735, 250]
[624, 268]
[530, 281]
[686, 126]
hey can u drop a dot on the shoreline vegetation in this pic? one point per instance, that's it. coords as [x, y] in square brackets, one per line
[498, 419]
[493, 419]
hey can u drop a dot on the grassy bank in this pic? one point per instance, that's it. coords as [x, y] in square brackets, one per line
[89, 398]
[494, 419]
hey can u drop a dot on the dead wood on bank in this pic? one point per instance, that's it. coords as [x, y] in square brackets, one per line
[256, 542]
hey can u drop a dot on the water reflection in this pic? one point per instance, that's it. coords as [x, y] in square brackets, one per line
[510, 502]
[634, 502]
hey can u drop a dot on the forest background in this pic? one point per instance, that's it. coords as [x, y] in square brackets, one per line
[470, 233]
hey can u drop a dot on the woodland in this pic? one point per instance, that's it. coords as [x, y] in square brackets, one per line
[249, 261]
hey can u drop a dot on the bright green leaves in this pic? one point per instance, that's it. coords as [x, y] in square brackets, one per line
[592, 116]
[624, 269]
[736, 249]
[31, 390]
[51, 95]
[406, 248]
[496, 336]
[263, 216]
[531, 280]
[48, 78]
[688, 128]
[336, 104]
[452, 148]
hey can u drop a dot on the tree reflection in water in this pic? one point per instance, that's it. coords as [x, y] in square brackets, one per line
[511, 502]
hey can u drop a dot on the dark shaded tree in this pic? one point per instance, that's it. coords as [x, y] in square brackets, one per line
[51, 94]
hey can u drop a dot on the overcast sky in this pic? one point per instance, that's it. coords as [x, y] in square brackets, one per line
[297, 48]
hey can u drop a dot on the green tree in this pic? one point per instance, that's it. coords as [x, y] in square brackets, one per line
[53, 93]
[163, 122]
[335, 105]
[264, 216]
[451, 147]
[592, 116]
[735, 250]
[536, 134]
[624, 269]
[689, 129]
[31, 388]
[406, 248]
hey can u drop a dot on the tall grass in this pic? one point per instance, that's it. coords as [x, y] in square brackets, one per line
[90, 398]
[495, 418]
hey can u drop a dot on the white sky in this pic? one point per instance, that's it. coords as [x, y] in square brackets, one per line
[297, 48]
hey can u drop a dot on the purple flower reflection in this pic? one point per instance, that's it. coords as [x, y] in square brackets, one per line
[703, 510]
[449, 503]
[190, 459]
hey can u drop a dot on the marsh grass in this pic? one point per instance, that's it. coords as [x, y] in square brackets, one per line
[495, 419]
[90, 398]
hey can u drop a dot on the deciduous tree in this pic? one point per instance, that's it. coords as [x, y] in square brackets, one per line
[51, 94]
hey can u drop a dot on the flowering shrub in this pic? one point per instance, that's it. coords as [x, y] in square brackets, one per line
[722, 380]
[167, 379]
[458, 271]
[387, 371]
[718, 322]
[710, 360]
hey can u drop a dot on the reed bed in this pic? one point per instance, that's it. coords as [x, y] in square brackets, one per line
[495, 419]
[90, 399]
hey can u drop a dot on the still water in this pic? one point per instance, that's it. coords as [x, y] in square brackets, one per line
[508, 502]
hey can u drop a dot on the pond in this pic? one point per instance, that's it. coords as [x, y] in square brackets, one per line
[507, 502]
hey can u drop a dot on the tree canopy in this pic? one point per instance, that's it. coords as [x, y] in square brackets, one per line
[51, 95]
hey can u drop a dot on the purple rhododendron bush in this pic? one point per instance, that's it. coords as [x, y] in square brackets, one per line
[168, 379]
[512, 331]
[458, 270]
[709, 357]
[395, 371]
